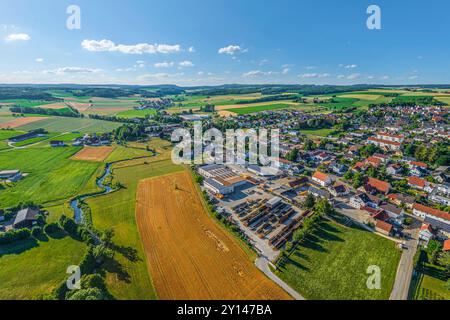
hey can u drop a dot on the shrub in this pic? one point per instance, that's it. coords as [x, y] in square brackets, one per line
[14, 235]
[51, 228]
[36, 231]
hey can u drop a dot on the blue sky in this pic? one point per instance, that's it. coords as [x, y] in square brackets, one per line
[198, 42]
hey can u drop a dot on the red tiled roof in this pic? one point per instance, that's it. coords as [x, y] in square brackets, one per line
[321, 176]
[417, 182]
[419, 164]
[447, 245]
[398, 144]
[431, 211]
[373, 160]
[385, 134]
[383, 226]
[381, 186]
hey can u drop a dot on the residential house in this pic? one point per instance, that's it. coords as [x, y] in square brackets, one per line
[394, 169]
[383, 227]
[361, 200]
[426, 232]
[322, 179]
[421, 184]
[394, 212]
[401, 199]
[377, 185]
[338, 190]
[319, 193]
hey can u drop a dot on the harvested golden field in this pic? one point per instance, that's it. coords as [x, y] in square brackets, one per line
[81, 107]
[53, 106]
[189, 256]
[97, 154]
[20, 122]
[226, 114]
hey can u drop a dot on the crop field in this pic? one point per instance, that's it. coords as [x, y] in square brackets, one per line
[129, 278]
[29, 268]
[98, 154]
[60, 124]
[188, 255]
[52, 176]
[196, 101]
[20, 122]
[332, 264]
[126, 153]
[266, 107]
[25, 103]
[6, 134]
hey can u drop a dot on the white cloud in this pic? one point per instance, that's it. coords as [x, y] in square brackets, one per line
[186, 64]
[286, 70]
[314, 75]
[39, 60]
[231, 50]
[257, 73]
[351, 66]
[384, 78]
[191, 49]
[200, 73]
[341, 76]
[72, 70]
[17, 37]
[413, 77]
[140, 48]
[310, 67]
[163, 64]
[353, 76]
[140, 64]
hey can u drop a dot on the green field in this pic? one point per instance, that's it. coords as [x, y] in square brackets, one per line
[429, 284]
[136, 113]
[318, 132]
[117, 210]
[332, 264]
[260, 108]
[51, 175]
[6, 134]
[26, 103]
[127, 153]
[30, 267]
[84, 125]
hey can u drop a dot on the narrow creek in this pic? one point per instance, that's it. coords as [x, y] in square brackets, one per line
[75, 203]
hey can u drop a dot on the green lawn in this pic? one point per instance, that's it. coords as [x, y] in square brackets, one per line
[332, 264]
[429, 284]
[51, 174]
[30, 268]
[117, 210]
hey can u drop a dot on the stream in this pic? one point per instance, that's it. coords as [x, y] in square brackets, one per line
[75, 203]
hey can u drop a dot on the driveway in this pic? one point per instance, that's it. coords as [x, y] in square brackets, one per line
[263, 264]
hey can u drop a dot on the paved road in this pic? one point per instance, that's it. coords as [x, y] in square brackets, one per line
[405, 270]
[263, 265]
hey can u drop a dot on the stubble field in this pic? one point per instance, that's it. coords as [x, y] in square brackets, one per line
[188, 255]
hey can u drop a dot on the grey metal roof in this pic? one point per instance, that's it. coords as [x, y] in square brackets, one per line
[25, 214]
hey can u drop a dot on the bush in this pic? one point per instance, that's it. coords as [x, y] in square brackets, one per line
[51, 228]
[14, 235]
[36, 231]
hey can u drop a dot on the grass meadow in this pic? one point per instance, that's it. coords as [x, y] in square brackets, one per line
[332, 264]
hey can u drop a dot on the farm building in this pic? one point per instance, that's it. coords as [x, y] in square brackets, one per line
[11, 175]
[25, 218]
[24, 137]
[220, 179]
[56, 143]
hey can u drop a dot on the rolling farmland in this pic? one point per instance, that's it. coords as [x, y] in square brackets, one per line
[189, 256]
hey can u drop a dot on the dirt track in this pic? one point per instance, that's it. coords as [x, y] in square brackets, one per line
[189, 256]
